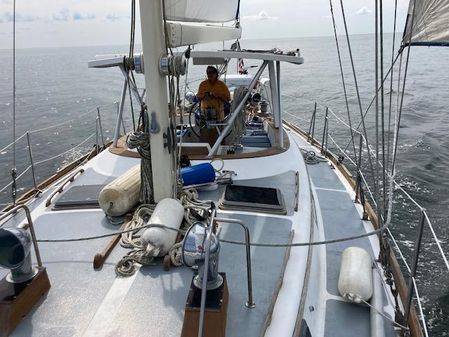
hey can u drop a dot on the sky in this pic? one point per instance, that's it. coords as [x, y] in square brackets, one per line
[63, 23]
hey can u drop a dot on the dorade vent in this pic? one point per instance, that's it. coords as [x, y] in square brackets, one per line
[253, 199]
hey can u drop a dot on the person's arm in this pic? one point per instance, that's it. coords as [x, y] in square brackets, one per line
[222, 93]
[202, 91]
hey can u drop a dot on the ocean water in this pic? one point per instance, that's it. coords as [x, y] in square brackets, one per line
[58, 96]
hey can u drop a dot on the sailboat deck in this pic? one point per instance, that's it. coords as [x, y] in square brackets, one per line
[340, 218]
[84, 302]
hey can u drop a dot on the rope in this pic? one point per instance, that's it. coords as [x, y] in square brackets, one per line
[175, 254]
[139, 253]
[311, 158]
[358, 299]
[193, 207]
[141, 141]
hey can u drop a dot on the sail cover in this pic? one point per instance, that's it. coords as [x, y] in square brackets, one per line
[430, 23]
[201, 10]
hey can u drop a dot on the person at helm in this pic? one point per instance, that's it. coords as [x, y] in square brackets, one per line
[213, 95]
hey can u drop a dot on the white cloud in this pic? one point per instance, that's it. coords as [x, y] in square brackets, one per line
[262, 16]
[62, 15]
[7, 17]
[116, 17]
[363, 11]
[78, 16]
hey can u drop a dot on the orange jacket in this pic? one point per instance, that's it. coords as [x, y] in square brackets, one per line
[218, 88]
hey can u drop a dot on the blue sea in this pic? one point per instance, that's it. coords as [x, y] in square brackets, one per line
[58, 96]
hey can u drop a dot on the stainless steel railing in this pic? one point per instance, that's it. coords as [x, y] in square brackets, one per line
[424, 221]
[95, 133]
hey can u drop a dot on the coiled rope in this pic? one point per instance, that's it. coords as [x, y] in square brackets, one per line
[141, 253]
[141, 141]
[311, 158]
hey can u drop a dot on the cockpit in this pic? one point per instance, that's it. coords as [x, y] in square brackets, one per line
[252, 121]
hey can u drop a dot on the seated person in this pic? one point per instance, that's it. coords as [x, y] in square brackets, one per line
[213, 94]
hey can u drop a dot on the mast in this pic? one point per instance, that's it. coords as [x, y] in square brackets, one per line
[153, 47]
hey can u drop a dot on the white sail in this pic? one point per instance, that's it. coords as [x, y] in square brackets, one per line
[427, 23]
[201, 10]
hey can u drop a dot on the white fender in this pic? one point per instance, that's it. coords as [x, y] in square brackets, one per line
[170, 213]
[119, 196]
[356, 280]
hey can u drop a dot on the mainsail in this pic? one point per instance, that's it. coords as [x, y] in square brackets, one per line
[201, 10]
[427, 23]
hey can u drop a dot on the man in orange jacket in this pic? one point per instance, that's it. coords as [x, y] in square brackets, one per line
[213, 94]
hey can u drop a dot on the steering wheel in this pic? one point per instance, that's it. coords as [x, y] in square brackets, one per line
[200, 121]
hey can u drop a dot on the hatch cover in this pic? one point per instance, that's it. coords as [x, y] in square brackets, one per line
[253, 199]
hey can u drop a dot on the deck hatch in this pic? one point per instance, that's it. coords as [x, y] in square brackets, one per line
[253, 199]
[80, 196]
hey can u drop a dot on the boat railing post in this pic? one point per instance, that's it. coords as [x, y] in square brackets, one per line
[358, 180]
[31, 160]
[323, 151]
[314, 122]
[249, 303]
[99, 125]
[311, 132]
[414, 266]
[96, 135]
[327, 131]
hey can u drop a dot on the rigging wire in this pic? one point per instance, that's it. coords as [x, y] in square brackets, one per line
[357, 89]
[391, 85]
[382, 105]
[342, 77]
[376, 118]
[374, 97]
[403, 88]
[14, 169]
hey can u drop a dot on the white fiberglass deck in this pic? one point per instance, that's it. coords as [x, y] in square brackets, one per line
[84, 302]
